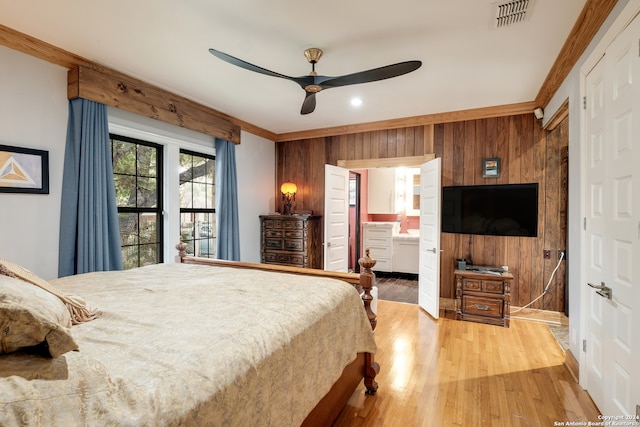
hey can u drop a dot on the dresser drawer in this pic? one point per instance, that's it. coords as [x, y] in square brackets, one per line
[293, 234]
[481, 306]
[294, 245]
[272, 223]
[273, 233]
[273, 244]
[297, 260]
[293, 225]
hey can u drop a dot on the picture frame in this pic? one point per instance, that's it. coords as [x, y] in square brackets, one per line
[491, 167]
[352, 191]
[24, 170]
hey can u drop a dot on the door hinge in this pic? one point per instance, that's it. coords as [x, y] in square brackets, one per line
[638, 230]
[584, 223]
[584, 102]
[584, 345]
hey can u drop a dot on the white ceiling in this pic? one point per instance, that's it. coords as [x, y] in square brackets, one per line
[467, 62]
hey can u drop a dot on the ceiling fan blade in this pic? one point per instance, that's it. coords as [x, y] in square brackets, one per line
[372, 75]
[309, 103]
[247, 66]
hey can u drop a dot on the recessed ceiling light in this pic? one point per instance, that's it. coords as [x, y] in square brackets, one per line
[356, 102]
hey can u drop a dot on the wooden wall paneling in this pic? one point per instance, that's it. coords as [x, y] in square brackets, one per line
[375, 145]
[458, 144]
[426, 134]
[470, 166]
[552, 191]
[366, 145]
[503, 141]
[410, 141]
[317, 160]
[481, 138]
[528, 266]
[357, 146]
[528, 153]
[396, 140]
[537, 260]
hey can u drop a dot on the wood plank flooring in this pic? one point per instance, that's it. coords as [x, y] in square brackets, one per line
[453, 373]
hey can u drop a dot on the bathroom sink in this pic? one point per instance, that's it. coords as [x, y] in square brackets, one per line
[413, 232]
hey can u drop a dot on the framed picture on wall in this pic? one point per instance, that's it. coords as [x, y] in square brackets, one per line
[491, 167]
[24, 170]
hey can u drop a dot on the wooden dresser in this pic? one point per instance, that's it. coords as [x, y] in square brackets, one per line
[291, 240]
[483, 297]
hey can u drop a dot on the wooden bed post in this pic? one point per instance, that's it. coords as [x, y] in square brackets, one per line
[367, 281]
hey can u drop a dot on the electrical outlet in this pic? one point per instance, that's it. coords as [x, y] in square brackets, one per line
[547, 254]
[562, 252]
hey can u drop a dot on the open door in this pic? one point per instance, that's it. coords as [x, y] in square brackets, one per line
[336, 218]
[429, 263]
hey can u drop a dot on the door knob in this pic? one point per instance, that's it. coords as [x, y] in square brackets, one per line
[432, 250]
[602, 290]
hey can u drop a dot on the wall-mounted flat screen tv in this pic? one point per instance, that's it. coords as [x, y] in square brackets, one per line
[497, 210]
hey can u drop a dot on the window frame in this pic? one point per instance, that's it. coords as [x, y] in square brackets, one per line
[192, 210]
[160, 190]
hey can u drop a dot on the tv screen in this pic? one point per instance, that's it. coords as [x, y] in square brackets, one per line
[498, 210]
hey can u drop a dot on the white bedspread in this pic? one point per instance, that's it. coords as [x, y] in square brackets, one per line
[191, 345]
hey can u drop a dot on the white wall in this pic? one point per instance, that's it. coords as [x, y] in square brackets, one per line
[572, 89]
[255, 160]
[33, 114]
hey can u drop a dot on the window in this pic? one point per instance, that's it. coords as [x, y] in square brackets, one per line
[197, 203]
[137, 174]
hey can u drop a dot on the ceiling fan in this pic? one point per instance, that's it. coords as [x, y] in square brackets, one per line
[314, 83]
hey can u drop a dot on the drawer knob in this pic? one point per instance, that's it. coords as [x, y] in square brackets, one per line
[481, 307]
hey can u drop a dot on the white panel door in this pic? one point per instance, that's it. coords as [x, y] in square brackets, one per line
[429, 247]
[336, 218]
[612, 235]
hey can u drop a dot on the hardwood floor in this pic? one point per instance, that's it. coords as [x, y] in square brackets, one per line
[399, 289]
[453, 373]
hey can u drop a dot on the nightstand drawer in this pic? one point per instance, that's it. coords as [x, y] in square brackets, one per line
[489, 307]
[492, 287]
[471, 285]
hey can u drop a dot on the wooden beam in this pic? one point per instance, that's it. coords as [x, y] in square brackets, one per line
[47, 52]
[587, 25]
[389, 162]
[561, 114]
[133, 95]
[430, 119]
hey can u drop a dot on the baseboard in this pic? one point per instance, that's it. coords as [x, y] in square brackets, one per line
[546, 316]
[572, 364]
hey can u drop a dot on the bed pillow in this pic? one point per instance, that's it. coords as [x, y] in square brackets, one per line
[31, 316]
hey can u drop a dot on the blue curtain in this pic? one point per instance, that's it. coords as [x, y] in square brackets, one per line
[228, 230]
[89, 230]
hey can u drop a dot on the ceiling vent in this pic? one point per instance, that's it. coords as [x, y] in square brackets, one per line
[511, 12]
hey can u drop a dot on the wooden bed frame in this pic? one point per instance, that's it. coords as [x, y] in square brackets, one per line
[363, 367]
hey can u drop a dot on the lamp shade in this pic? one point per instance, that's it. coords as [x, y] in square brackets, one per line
[288, 188]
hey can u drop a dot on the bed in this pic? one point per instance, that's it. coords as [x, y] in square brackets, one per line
[195, 343]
